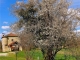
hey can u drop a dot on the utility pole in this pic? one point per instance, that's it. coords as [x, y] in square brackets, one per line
[16, 54]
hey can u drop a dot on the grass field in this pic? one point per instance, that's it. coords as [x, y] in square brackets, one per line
[36, 55]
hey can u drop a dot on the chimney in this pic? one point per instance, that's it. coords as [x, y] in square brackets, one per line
[3, 34]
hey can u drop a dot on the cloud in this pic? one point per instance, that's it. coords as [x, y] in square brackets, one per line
[5, 27]
[77, 31]
[5, 22]
[5, 32]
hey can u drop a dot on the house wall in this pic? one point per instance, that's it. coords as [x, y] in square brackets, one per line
[7, 41]
[4, 44]
[14, 39]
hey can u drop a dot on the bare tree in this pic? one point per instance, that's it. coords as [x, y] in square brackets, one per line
[50, 22]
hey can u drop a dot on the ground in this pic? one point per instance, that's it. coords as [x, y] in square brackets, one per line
[34, 55]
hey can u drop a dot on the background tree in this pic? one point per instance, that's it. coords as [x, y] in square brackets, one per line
[0, 46]
[74, 48]
[50, 21]
[26, 42]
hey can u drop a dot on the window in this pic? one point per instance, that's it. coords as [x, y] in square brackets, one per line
[12, 40]
[5, 44]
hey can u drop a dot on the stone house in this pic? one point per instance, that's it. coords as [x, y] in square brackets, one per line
[11, 42]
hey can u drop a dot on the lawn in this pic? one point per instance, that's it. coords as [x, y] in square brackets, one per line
[12, 56]
[36, 55]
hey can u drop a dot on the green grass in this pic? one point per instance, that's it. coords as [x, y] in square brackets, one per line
[11, 56]
[35, 54]
[62, 57]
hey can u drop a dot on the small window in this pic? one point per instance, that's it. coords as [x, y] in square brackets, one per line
[5, 44]
[12, 40]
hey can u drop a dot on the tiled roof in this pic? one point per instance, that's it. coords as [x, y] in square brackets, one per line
[9, 35]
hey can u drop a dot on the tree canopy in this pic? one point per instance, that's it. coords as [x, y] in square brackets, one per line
[51, 22]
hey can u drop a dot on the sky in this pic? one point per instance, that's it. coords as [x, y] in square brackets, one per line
[7, 18]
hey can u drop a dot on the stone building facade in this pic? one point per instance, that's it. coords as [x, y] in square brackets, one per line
[11, 42]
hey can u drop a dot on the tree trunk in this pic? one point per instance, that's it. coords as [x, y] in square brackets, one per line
[48, 55]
